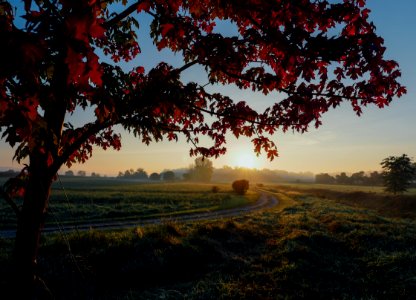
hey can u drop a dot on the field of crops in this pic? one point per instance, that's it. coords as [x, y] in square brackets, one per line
[323, 243]
[80, 200]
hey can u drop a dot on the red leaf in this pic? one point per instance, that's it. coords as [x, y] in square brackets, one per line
[165, 28]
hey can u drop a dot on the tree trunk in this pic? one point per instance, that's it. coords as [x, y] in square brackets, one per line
[29, 228]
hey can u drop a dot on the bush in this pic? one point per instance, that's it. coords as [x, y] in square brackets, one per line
[240, 186]
[215, 189]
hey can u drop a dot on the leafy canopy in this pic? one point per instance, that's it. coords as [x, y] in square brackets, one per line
[398, 173]
[314, 54]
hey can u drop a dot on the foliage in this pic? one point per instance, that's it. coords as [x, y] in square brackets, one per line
[168, 176]
[215, 189]
[318, 54]
[398, 173]
[139, 174]
[357, 178]
[240, 186]
[155, 177]
[313, 54]
[201, 170]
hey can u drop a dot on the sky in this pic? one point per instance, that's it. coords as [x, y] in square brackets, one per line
[344, 142]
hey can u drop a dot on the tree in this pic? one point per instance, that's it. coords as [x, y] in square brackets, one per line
[139, 174]
[201, 170]
[358, 178]
[154, 177]
[398, 173]
[324, 178]
[168, 176]
[62, 55]
[81, 173]
[69, 173]
[342, 178]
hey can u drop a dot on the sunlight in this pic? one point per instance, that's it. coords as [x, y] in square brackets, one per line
[246, 160]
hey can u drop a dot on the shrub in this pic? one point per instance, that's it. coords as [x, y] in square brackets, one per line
[240, 186]
[215, 189]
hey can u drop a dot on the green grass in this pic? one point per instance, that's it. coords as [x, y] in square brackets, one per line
[80, 200]
[308, 247]
[374, 198]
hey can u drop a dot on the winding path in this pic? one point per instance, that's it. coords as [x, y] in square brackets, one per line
[265, 201]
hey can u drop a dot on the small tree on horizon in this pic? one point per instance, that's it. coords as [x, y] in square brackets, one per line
[168, 176]
[155, 176]
[201, 170]
[398, 173]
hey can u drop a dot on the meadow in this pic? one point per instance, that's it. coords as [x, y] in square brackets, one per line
[77, 200]
[317, 243]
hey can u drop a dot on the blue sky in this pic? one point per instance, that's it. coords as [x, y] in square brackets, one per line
[344, 142]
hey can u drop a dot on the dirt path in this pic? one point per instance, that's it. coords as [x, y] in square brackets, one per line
[265, 201]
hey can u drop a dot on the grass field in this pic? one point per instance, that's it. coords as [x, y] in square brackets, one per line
[369, 197]
[316, 244]
[80, 200]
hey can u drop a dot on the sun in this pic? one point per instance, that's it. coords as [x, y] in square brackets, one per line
[245, 160]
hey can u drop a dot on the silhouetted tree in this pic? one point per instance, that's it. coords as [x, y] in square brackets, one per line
[155, 177]
[168, 176]
[324, 178]
[69, 173]
[342, 178]
[81, 173]
[358, 178]
[201, 170]
[398, 173]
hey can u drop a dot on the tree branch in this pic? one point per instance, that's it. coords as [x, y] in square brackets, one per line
[328, 95]
[93, 129]
[129, 10]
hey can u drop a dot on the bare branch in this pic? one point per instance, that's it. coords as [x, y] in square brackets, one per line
[125, 13]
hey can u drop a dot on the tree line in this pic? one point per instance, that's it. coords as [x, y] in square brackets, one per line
[398, 174]
[359, 178]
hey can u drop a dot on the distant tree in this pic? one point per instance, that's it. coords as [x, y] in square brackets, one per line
[342, 178]
[375, 178]
[398, 173]
[69, 173]
[155, 177]
[324, 178]
[201, 170]
[240, 186]
[81, 173]
[168, 176]
[93, 174]
[139, 174]
[358, 178]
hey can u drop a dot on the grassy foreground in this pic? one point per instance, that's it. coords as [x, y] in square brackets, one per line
[307, 247]
[83, 200]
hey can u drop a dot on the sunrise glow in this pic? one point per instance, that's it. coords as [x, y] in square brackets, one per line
[246, 160]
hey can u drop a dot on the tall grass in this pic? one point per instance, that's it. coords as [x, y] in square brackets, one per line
[306, 248]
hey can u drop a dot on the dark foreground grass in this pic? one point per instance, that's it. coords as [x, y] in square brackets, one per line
[312, 249]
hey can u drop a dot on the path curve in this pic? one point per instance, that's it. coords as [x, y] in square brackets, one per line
[265, 201]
